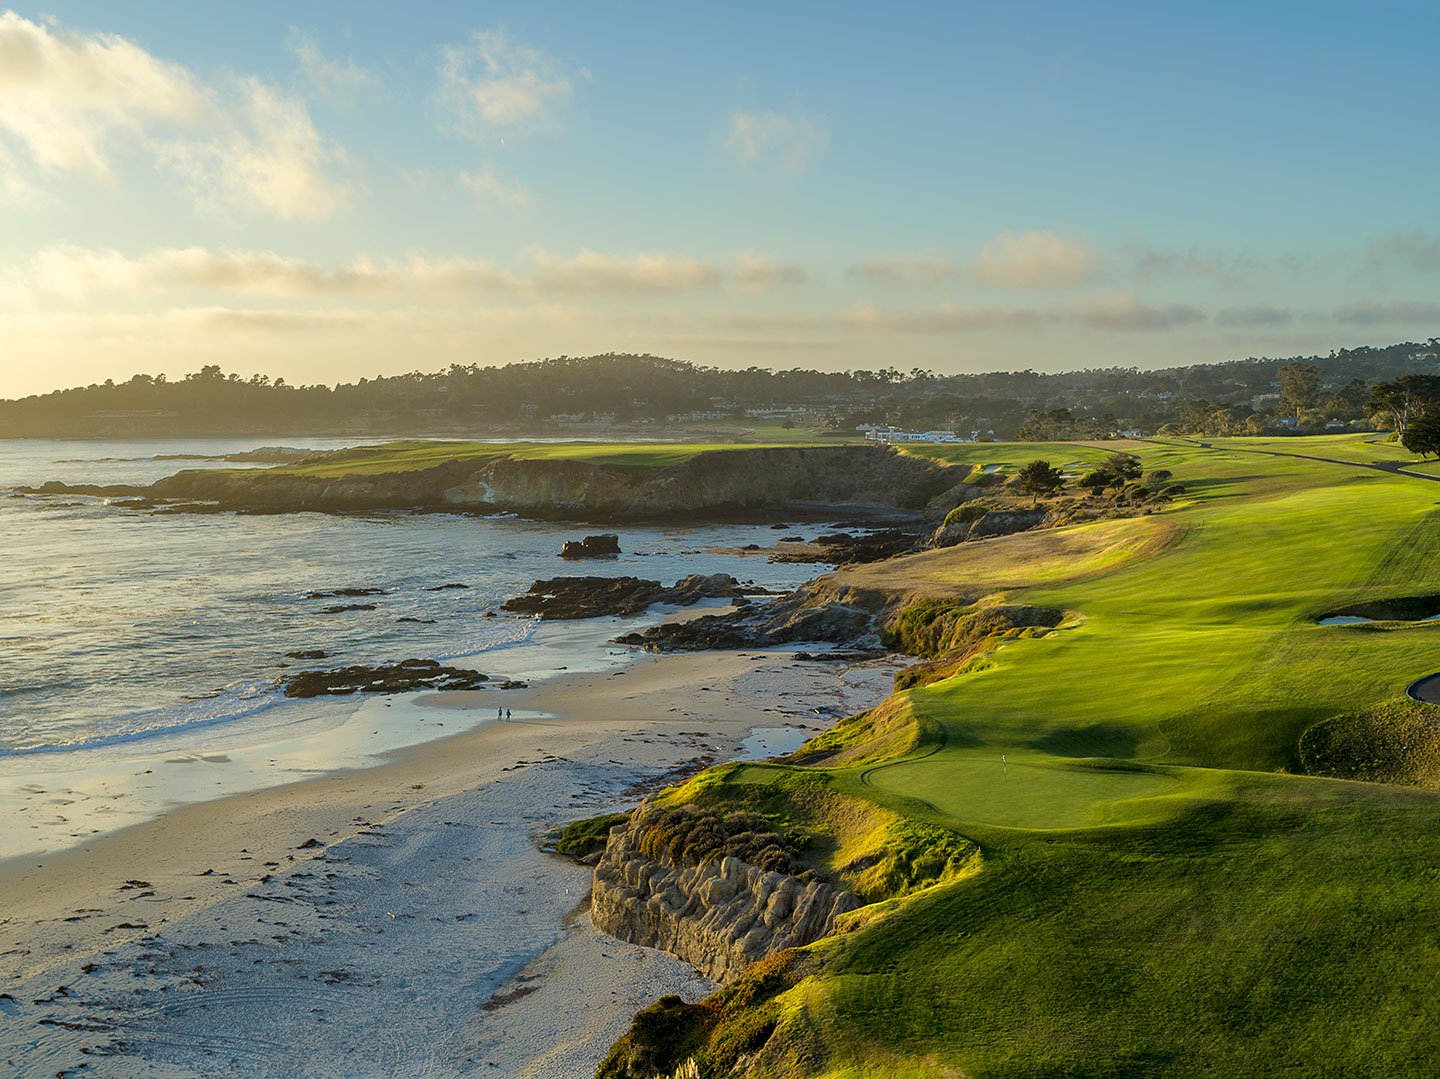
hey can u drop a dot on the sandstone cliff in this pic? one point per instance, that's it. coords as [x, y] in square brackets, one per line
[719, 914]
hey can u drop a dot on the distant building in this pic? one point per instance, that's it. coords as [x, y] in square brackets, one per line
[892, 435]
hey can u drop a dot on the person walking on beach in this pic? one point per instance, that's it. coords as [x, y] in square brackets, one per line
[507, 715]
[499, 713]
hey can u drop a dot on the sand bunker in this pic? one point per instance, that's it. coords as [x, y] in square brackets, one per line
[1402, 609]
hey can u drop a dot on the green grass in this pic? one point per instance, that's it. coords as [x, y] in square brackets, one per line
[416, 454]
[1160, 894]
[1026, 792]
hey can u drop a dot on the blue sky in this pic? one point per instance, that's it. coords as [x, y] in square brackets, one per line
[326, 191]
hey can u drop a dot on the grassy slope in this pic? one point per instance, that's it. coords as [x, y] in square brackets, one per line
[1184, 906]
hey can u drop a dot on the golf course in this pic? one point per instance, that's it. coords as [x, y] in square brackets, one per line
[1207, 827]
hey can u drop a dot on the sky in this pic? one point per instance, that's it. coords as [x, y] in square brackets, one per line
[329, 191]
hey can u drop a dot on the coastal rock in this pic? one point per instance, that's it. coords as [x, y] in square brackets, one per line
[605, 545]
[384, 678]
[985, 522]
[342, 593]
[720, 914]
[591, 597]
[843, 548]
[801, 616]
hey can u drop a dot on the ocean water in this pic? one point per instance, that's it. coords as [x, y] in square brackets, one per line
[124, 634]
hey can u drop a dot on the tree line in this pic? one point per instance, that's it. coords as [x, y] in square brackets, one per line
[1249, 396]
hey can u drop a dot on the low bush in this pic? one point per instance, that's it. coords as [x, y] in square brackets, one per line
[686, 834]
[583, 837]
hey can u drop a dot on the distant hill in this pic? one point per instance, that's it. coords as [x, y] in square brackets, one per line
[616, 389]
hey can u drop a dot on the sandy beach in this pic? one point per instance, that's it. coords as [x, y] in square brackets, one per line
[393, 920]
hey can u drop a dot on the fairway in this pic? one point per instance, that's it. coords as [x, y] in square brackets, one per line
[1020, 794]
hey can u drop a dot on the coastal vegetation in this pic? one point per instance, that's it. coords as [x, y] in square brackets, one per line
[636, 394]
[1201, 820]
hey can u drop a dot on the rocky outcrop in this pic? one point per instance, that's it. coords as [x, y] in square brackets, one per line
[719, 914]
[593, 597]
[806, 615]
[385, 678]
[713, 482]
[844, 549]
[606, 545]
[985, 522]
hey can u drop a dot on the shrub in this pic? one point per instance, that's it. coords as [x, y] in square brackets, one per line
[1096, 479]
[932, 628]
[684, 834]
[583, 837]
[970, 511]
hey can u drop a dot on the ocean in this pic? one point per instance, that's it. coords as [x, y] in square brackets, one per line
[126, 635]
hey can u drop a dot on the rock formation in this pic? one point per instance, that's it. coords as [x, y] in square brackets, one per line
[719, 914]
[384, 678]
[605, 545]
[592, 597]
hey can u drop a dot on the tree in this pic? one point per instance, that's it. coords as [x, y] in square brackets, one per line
[1123, 466]
[1404, 398]
[1422, 436]
[1299, 383]
[1040, 478]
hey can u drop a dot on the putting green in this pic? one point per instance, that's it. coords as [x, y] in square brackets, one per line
[1020, 794]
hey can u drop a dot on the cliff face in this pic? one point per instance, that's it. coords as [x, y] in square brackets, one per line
[730, 479]
[719, 915]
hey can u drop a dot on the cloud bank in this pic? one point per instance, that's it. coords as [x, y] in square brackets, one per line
[72, 104]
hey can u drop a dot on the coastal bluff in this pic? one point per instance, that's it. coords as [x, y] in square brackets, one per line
[558, 486]
[719, 914]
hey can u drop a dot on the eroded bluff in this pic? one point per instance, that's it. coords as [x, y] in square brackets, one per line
[716, 911]
[707, 482]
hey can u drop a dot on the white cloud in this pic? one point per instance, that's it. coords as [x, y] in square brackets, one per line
[1034, 259]
[790, 143]
[593, 272]
[756, 272]
[64, 98]
[74, 272]
[1407, 250]
[489, 190]
[903, 270]
[947, 318]
[1258, 315]
[493, 83]
[337, 81]
[1400, 312]
[1121, 311]
[269, 158]
[1147, 262]
[71, 103]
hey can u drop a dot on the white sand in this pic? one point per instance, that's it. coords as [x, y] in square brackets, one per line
[424, 934]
